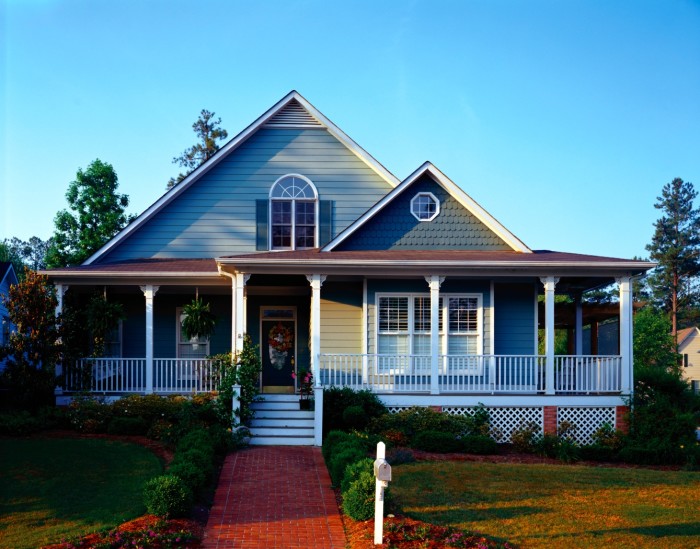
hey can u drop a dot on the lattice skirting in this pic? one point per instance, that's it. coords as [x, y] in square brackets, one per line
[585, 421]
[582, 422]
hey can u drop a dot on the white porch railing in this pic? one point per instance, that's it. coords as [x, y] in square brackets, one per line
[128, 375]
[491, 374]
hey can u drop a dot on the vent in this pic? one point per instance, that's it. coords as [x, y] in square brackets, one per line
[293, 115]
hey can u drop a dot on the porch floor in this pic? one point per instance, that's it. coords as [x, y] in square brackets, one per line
[274, 496]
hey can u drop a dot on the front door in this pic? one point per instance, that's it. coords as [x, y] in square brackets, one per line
[278, 348]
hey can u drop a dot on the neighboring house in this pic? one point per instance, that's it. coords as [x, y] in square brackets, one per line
[300, 238]
[8, 277]
[689, 348]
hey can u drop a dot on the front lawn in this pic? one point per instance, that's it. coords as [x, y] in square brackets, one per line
[555, 505]
[55, 488]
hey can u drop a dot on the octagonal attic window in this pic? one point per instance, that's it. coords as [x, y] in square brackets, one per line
[425, 206]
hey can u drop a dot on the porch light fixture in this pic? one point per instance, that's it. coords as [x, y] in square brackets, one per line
[425, 206]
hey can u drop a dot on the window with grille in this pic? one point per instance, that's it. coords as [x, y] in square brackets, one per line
[404, 324]
[293, 213]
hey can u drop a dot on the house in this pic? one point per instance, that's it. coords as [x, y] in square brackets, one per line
[689, 349]
[8, 277]
[299, 237]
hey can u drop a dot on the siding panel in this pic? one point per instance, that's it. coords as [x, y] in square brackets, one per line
[514, 322]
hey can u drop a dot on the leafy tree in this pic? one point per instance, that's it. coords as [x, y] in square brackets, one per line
[30, 253]
[676, 247]
[32, 350]
[98, 214]
[10, 255]
[208, 131]
[654, 346]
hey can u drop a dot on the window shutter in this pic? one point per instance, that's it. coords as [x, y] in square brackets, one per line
[325, 222]
[261, 209]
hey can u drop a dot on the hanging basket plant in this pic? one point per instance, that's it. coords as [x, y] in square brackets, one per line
[198, 320]
[102, 317]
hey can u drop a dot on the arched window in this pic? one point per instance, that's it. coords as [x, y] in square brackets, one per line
[293, 213]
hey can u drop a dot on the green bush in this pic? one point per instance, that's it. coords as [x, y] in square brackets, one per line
[354, 417]
[345, 454]
[358, 500]
[478, 444]
[331, 440]
[525, 437]
[398, 456]
[19, 423]
[336, 400]
[167, 496]
[199, 457]
[89, 415]
[127, 426]
[352, 472]
[193, 477]
[436, 441]
[148, 407]
[419, 419]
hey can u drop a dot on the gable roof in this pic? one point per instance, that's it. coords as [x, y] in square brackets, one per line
[685, 334]
[292, 111]
[7, 273]
[462, 197]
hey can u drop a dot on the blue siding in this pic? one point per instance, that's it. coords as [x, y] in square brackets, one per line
[514, 322]
[216, 215]
[395, 227]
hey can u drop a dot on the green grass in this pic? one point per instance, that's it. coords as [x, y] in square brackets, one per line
[555, 506]
[52, 489]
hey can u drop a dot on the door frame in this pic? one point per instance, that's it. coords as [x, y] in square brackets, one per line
[263, 339]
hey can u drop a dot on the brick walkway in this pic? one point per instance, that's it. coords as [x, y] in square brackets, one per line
[274, 497]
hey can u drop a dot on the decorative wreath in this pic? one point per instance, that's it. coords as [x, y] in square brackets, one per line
[280, 338]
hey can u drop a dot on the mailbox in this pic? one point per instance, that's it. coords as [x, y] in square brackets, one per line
[382, 470]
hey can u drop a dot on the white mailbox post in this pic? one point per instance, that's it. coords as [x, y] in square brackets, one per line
[382, 474]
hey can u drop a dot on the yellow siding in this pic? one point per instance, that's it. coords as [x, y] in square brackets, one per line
[341, 327]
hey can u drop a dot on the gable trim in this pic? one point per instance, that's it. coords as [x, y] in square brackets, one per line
[9, 271]
[462, 197]
[232, 145]
[690, 332]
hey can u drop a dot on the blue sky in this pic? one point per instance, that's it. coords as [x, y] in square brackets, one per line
[563, 119]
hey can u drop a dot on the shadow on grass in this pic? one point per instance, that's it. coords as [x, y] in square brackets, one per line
[501, 513]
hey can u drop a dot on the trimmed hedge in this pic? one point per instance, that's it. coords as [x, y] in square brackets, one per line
[167, 496]
[436, 441]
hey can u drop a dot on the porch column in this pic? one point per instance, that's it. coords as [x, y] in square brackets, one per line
[578, 334]
[61, 289]
[149, 292]
[316, 281]
[626, 346]
[238, 307]
[434, 281]
[549, 284]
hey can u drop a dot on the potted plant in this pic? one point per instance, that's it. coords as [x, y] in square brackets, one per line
[305, 385]
[197, 320]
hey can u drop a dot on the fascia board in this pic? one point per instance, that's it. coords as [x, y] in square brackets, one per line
[229, 147]
[463, 198]
[10, 270]
[689, 336]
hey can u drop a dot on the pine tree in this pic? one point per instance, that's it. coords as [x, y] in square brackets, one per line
[208, 131]
[675, 246]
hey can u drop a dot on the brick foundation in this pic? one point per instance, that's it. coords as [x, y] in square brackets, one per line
[622, 418]
[550, 420]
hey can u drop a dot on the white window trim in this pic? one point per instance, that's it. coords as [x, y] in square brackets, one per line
[431, 196]
[179, 341]
[272, 199]
[120, 328]
[443, 335]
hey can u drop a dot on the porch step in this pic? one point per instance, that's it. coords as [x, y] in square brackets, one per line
[278, 421]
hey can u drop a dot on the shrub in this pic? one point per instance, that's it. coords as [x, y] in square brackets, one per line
[167, 496]
[336, 400]
[478, 444]
[127, 426]
[358, 500]
[89, 415]
[525, 437]
[436, 441]
[331, 440]
[418, 419]
[193, 477]
[353, 471]
[345, 454]
[354, 417]
[608, 437]
[148, 407]
[598, 452]
[199, 457]
[19, 423]
[393, 437]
